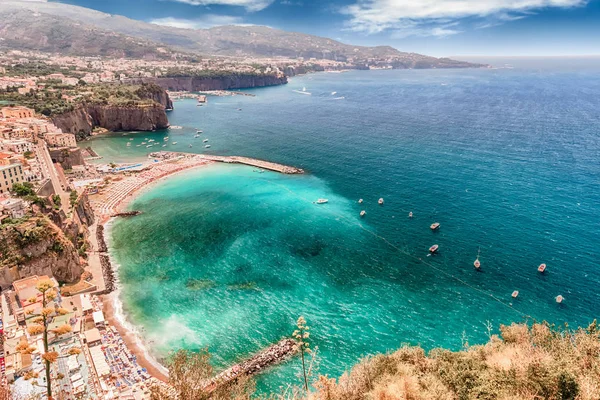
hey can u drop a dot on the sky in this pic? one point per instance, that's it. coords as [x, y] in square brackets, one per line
[434, 27]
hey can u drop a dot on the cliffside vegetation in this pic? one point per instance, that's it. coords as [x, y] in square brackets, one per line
[536, 361]
[55, 98]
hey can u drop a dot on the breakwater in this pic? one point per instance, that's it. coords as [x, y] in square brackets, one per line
[107, 270]
[126, 214]
[272, 355]
[271, 166]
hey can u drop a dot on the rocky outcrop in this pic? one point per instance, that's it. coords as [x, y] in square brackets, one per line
[37, 247]
[225, 82]
[67, 157]
[77, 122]
[85, 118]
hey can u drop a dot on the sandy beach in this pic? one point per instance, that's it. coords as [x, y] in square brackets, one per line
[132, 341]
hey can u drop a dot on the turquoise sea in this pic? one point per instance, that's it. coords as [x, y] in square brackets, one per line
[507, 160]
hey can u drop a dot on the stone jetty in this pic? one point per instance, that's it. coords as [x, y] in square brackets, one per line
[272, 355]
[126, 214]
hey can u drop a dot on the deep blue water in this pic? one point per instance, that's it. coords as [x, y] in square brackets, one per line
[507, 160]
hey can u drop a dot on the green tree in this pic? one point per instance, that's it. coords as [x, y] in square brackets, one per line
[301, 335]
[73, 197]
[23, 189]
[40, 325]
[56, 200]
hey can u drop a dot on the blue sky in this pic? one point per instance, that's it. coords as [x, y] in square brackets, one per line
[435, 27]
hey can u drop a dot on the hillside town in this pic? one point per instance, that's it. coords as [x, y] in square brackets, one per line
[29, 148]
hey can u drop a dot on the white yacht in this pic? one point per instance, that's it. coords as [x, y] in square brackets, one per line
[322, 201]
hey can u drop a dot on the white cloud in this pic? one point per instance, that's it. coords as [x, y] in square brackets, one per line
[206, 21]
[250, 5]
[374, 16]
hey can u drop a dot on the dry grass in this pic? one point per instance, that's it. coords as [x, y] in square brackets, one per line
[525, 362]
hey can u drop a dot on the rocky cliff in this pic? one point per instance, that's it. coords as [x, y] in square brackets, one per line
[146, 113]
[225, 82]
[85, 118]
[37, 247]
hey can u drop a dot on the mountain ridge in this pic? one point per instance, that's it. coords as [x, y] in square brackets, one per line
[37, 25]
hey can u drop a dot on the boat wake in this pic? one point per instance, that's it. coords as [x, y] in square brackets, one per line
[302, 92]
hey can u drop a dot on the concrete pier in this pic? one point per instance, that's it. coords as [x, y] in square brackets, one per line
[284, 169]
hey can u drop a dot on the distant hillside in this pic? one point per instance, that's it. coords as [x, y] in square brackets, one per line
[21, 29]
[77, 30]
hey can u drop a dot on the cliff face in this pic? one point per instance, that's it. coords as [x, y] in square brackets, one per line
[84, 119]
[197, 84]
[37, 247]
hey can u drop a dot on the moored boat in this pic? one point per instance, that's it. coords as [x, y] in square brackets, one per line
[410, 214]
[435, 226]
[515, 294]
[205, 140]
[542, 268]
[363, 213]
[322, 201]
[360, 201]
[434, 248]
[207, 146]
[559, 299]
[380, 201]
[477, 264]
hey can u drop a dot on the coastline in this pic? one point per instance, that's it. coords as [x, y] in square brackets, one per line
[111, 302]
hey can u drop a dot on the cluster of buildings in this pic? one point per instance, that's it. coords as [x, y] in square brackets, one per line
[102, 369]
[26, 143]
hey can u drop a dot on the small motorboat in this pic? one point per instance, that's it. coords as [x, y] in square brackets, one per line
[151, 140]
[542, 268]
[380, 201]
[360, 201]
[196, 136]
[190, 145]
[207, 146]
[131, 139]
[435, 226]
[410, 214]
[166, 138]
[477, 264]
[174, 143]
[128, 144]
[199, 131]
[363, 213]
[515, 294]
[433, 249]
[164, 145]
[143, 142]
[205, 140]
[322, 201]
[149, 146]
[559, 299]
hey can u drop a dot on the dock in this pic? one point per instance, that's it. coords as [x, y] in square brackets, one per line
[272, 355]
